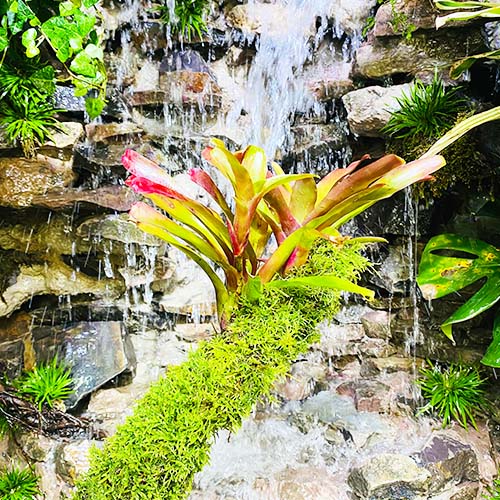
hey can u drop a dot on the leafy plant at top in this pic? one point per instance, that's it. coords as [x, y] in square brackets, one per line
[17, 484]
[443, 270]
[427, 111]
[187, 19]
[46, 384]
[493, 491]
[453, 393]
[468, 10]
[26, 114]
[294, 208]
[66, 28]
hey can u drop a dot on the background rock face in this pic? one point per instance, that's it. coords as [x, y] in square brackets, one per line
[79, 279]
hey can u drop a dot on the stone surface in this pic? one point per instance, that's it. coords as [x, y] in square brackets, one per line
[377, 324]
[54, 278]
[448, 460]
[68, 137]
[117, 198]
[96, 353]
[72, 459]
[418, 56]
[369, 109]
[102, 132]
[22, 179]
[420, 14]
[64, 98]
[389, 476]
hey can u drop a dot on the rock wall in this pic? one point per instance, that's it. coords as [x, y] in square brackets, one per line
[77, 276]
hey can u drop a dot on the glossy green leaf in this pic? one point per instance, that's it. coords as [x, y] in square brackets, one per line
[492, 355]
[440, 275]
[464, 64]
[457, 4]
[252, 290]
[84, 65]
[324, 281]
[93, 105]
[491, 13]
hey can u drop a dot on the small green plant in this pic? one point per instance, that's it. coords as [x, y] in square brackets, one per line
[493, 491]
[400, 23]
[46, 384]
[187, 19]
[453, 393]
[428, 111]
[17, 484]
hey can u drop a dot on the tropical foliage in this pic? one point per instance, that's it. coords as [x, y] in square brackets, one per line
[426, 111]
[17, 484]
[46, 384]
[187, 18]
[453, 393]
[32, 34]
[292, 207]
[466, 11]
[450, 263]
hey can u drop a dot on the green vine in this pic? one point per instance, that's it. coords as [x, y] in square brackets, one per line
[44, 41]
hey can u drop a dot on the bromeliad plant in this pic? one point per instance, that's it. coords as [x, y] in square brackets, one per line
[292, 207]
[268, 305]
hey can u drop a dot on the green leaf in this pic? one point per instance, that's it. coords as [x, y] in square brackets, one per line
[93, 105]
[43, 80]
[440, 275]
[94, 51]
[89, 3]
[461, 129]
[253, 289]
[492, 355]
[67, 8]
[303, 198]
[330, 281]
[493, 13]
[464, 64]
[84, 65]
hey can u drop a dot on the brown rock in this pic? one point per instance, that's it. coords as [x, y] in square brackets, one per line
[117, 197]
[101, 132]
[21, 179]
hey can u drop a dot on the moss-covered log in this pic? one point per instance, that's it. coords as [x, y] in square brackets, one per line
[156, 453]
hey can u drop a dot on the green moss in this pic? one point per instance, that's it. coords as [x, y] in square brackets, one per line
[464, 164]
[156, 453]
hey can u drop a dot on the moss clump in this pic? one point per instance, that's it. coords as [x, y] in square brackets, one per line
[156, 453]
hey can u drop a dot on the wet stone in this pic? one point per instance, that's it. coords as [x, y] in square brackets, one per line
[448, 460]
[96, 352]
[392, 476]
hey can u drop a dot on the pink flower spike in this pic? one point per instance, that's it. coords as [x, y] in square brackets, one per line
[142, 167]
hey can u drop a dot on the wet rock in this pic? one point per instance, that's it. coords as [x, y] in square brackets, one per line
[68, 137]
[368, 395]
[377, 324]
[414, 12]
[392, 364]
[448, 460]
[11, 358]
[389, 476]
[96, 352]
[119, 198]
[72, 459]
[116, 228]
[106, 132]
[306, 483]
[350, 15]
[194, 332]
[267, 18]
[52, 278]
[148, 77]
[418, 56]
[64, 98]
[393, 273]
[184, 60]
[300, 382]
[21, 179]
[369, 109]
[36, 447]
[193, 295]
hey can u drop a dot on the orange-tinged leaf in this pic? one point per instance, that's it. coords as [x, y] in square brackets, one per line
[303, 198]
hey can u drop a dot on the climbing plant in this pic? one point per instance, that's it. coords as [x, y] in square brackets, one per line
[42, 42]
